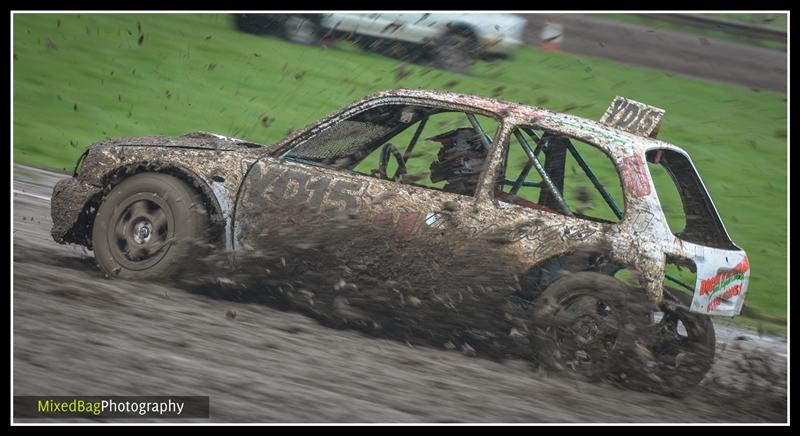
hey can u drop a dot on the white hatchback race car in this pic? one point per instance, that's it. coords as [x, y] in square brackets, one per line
[437, 185]
[451, 41]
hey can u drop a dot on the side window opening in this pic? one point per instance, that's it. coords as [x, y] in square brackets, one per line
[422, 146]
[559, 174]
[690, 213]
[668, 195]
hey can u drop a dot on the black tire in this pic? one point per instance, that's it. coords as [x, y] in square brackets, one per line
[455, 51]
[584, 322]
[301, 30]
[681, 346]
[149, 227]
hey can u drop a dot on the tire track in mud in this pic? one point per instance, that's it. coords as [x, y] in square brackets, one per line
[76, 332]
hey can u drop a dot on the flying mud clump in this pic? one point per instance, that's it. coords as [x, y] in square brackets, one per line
[347, 272]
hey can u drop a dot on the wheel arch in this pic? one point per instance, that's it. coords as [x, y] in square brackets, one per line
[81, 231]
[462, 28]
[543, 274]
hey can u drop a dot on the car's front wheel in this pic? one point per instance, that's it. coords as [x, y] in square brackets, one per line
[149, 226]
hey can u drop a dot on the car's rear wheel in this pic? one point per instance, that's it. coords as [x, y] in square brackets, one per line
[301, 30]
[681, 347]
[150, 226]
[583, 322]
[455, 51]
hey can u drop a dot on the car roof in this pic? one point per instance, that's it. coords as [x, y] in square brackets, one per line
[610, 139]
[615, 142]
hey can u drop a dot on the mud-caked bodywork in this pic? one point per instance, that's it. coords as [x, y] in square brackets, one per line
[211, 164]
[253, 191]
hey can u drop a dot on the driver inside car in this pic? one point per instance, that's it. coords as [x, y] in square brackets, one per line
[460, 160]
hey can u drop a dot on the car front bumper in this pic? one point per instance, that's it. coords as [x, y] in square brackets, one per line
[69, 198]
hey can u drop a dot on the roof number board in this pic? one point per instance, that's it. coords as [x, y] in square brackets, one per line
[633, 117]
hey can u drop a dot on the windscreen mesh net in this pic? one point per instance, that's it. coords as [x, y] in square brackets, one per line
[343, 140]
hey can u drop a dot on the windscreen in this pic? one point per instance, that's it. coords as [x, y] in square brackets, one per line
[351, 139]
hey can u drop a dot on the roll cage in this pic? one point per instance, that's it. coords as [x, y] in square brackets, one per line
[551, 172]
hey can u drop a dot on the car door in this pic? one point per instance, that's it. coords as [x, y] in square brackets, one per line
[360, 24]
[558, 196]
[291, 199]
[408, 27]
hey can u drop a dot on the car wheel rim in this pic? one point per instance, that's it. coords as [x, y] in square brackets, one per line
[300, 30]
[143, 228]
[584, 329]
[675, 342]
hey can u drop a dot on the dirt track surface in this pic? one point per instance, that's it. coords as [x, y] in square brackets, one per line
[78, 333]
[692, 55]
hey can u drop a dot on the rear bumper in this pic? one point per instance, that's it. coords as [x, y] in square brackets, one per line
[722, 280]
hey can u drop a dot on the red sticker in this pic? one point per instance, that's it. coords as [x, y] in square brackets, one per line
[406, 223]
[634, 175]
[732, 292]
[721, 279]
[402, 224]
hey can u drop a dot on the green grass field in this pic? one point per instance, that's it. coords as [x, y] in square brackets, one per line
[81, 78]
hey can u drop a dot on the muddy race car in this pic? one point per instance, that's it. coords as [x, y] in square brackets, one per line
[563, 207]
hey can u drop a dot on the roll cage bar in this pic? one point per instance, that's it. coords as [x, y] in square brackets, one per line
[543, 143]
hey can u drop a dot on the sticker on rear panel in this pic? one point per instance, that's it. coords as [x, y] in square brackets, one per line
[634, 175]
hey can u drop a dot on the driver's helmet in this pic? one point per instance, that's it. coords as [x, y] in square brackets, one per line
[460, 160]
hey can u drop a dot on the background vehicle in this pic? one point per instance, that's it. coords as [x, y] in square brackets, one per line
[451, 41]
